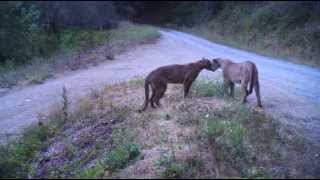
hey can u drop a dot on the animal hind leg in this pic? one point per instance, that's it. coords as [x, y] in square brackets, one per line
[231, 89]
[226, 86]
[257, 90]
[152, 99]
[160, 94]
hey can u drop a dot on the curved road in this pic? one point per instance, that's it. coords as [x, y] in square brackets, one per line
[290, 92]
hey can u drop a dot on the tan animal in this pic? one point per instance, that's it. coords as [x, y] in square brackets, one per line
[241, 73]
[180, 74]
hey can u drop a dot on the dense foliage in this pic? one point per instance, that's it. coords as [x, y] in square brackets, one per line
[31, 29]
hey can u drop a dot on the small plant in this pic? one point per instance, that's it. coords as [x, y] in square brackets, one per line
[95, 93]
[189, 168]
[101, 106]
[94, 172]
[65, 107]
[120, 157]
[256, 173]
[173, 170]
[137, 82]
[193, 167]
[121, 136]
[133, 150]
[208, 88]
[84, 110]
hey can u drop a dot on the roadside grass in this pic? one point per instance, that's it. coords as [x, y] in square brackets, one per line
[202, 137]
[212, 88]
[136, 82]
[78, 49]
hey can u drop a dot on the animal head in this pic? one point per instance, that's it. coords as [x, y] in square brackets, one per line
[215, 64]
[206, 63]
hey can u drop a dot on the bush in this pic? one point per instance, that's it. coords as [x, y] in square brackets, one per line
[74, 39]
[21, 35]
[120, 157]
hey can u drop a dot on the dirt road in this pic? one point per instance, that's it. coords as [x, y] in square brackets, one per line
[290, 92]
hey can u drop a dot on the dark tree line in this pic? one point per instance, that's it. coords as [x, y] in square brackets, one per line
[29, 27]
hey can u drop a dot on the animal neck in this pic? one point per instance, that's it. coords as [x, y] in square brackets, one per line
[200, 67]
[197, 66]
[224, 62]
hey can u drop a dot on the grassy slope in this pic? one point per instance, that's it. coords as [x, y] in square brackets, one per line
[287, 30]
[78, 49]
[206, 136]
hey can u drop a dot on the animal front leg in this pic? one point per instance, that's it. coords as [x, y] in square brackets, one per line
[231, 89]
[152, 99]
[160, 95]
[244, 91]
[225, 87]
[257, 90]
[187, 85]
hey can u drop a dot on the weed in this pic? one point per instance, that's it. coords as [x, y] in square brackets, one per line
[211, 88]
[94, 172]
[173, 170]
[189, 168]
[65, 107]
[137, 82]
[121, 136]
[120, 156]
[208, 88]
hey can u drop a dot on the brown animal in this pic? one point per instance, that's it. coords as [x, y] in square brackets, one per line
[242, 73]
[179, 74]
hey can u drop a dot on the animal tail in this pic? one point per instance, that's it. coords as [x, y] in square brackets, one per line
[146, 102]
[252, 79]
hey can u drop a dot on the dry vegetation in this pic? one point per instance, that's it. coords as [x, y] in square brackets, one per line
[205, 136]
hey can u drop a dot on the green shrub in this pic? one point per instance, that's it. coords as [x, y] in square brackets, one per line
[173, 170]
[74, 39]
[95, 172]
[120, 157]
